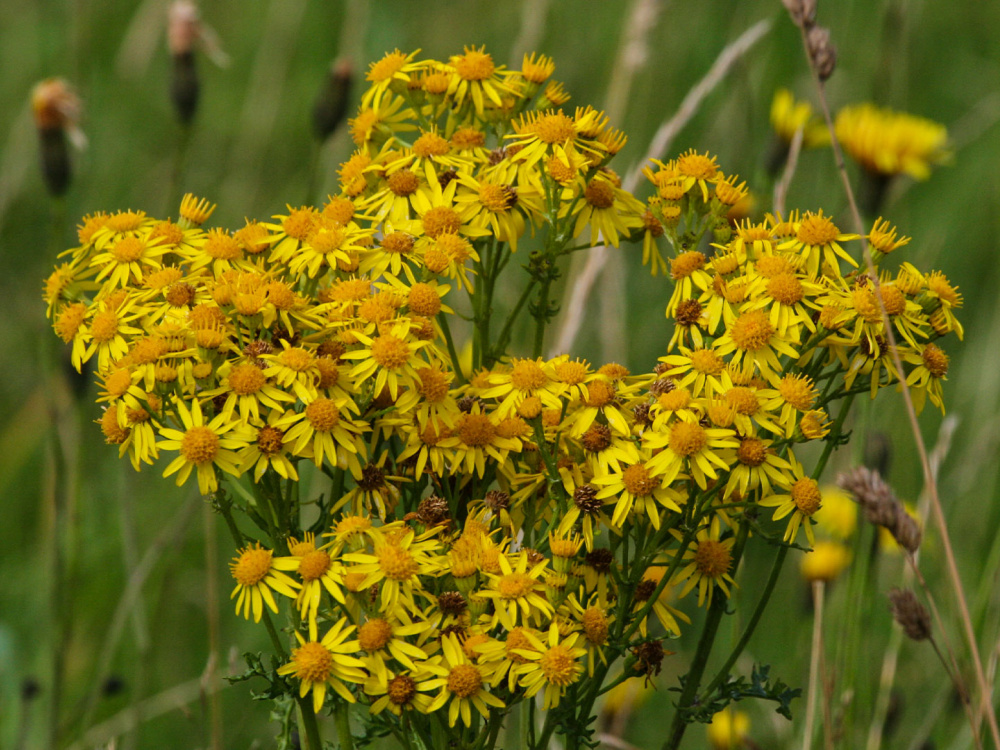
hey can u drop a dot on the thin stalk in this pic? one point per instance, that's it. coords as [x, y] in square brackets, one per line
[455, 365]
[212, 605]
[818, 589]
[541, 318]
[505, 332]
[314, 741]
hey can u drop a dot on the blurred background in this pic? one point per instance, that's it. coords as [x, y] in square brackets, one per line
[144, 598]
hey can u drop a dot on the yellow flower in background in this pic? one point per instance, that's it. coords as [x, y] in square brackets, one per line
[788, 115]
[838, 516]
[728, 729]
[890, 143]
[825, 562]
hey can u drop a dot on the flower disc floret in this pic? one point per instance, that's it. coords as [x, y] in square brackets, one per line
[374, 635]
[559, 666]
[476, 430]
[806, 496]
[712, 558]
[752, 451]
[252, 566]
[323, 414]
[441, 220]
[390, 352]
[200, 445]
[314, 565]
[687, 438]
[464, 680]
[313, 662]
[396, 562]
[751, 331]
[637, 480]
[599, 194]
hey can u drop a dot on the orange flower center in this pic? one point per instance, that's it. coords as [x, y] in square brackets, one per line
[817, 229]
[252, 566]
[805, 495]
[686, 264]
[441, 219]
[558, 666]
[390, 352]
[712, 559]
[476, 430]
[464, 680]
[687, 438]
[128, 250]
[785, 288]
[374, 634]
[403, 183]
[396, 562]
[638, 482]
[554, 128]
[600, 194]
[751, 331]
[314, 565]
[935, 360]
[200, 445]
[752, 452]
[313, 662]
[323, 414]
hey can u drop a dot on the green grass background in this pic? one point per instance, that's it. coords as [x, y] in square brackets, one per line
[250, 151]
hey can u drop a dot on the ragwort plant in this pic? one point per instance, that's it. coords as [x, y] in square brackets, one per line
[500, 538]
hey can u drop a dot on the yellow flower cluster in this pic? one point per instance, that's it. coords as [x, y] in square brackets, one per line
[489, 535]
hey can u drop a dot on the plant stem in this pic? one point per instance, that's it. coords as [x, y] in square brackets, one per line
[455, 366]
[314, 740]
[343, 723]
[817, 645]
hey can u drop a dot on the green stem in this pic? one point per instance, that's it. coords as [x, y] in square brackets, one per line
[314, 741]
[343, 723]
[456, 368]
[505, 332]
[541, 318]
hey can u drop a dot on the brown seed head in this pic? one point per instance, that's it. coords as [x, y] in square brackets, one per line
[910, 613]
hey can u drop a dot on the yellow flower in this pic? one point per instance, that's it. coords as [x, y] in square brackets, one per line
[711, 560]
[825, 562]
[642, 487]
[553, 665]
[728, 730]
[202, 446]
[891, 143]
[802, 501]
[256, 576]
[398, 561]
[462, 682]
[515, 589]
[787, 116]
[394, 70]
[839, 515]
[474, 77]
[816, 238]
[326, 663]
[609, 211]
